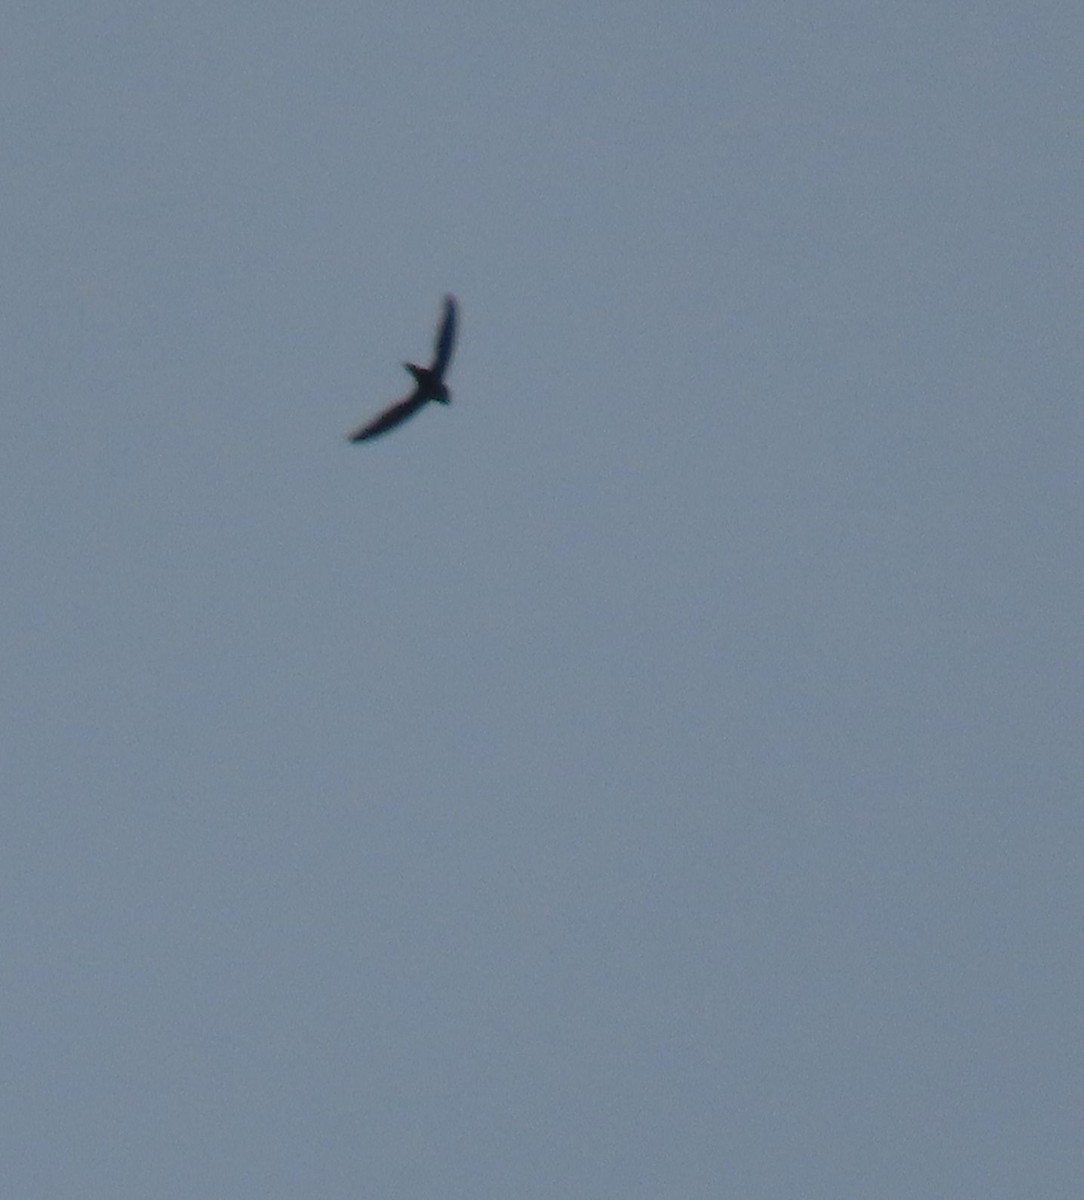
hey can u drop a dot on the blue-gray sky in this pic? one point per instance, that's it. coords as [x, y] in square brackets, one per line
[658, 774]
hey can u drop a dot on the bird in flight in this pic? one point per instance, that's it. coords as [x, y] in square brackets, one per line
[428, 382]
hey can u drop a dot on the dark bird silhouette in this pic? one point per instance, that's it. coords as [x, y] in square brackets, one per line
[428, 382]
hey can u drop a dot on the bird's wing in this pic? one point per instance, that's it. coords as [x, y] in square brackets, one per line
[442, 348]
[389, 418]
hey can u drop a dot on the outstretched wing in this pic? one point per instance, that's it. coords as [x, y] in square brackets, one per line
[389, 418]
[442, 349]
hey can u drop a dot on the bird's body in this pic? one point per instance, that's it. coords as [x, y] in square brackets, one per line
[428, 382]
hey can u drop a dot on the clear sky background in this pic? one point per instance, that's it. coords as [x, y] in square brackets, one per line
[658, 774]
